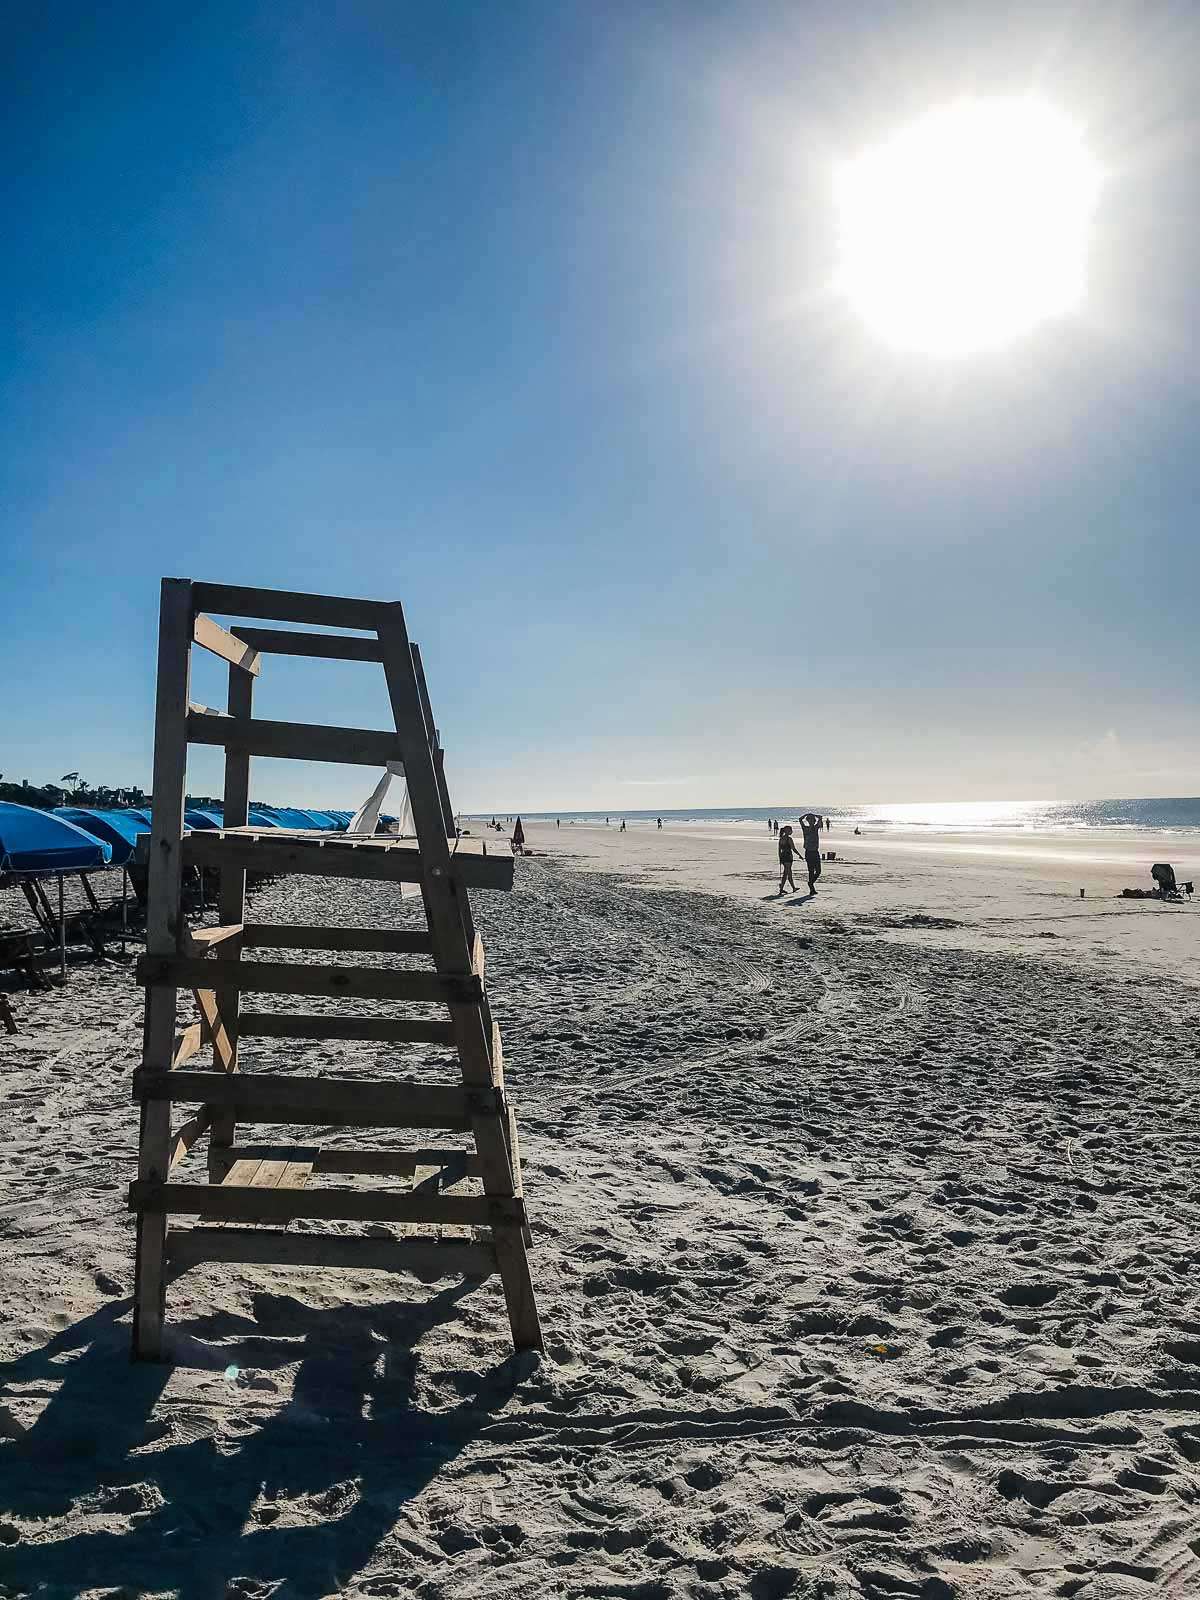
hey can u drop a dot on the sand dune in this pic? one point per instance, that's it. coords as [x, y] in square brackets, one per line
[867, 1256]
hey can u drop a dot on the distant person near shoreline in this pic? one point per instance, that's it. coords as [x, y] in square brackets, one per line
[787, 853]
[810, 827]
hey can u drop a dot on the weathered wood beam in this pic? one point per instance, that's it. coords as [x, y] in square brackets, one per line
[212, 636]
[293, 741]
[375, 1030]
[185, 1137]
[327, 858]
[429, 1259]
[282, 605]
[285, 977]
[367, 1163]
[212, 1023]
[165, 928]
[349, 1102]
[227, 1202]
[201, 940]
[329, 646]
[450, 923]
[187, 1044]
[294, 936]
[270, 1170]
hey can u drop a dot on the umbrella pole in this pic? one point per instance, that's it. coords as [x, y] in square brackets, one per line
[124, 906]
[62, 932]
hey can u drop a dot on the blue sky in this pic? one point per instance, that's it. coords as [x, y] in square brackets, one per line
[519, 313]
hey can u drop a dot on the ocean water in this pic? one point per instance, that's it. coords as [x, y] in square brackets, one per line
[946, 816]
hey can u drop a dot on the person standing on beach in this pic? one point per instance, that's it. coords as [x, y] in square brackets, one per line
[787, 852]
[810, 827]
[660, 824]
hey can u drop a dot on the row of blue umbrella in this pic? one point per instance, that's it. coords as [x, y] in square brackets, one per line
[79, 838]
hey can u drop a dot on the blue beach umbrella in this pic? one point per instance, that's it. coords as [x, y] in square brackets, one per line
[264, 817]
[38, 842]
[203, 819]
[324, 820]
[118, 829]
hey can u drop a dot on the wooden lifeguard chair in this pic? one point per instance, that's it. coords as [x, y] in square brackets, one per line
[254, 1191]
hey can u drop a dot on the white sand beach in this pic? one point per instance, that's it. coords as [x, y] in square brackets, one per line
[866, 1249]
[1001, 887]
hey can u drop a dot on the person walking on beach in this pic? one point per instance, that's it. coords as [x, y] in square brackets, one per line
[810, 827]
[787, 852]
[660, 824]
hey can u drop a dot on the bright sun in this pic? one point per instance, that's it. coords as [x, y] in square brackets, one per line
[967, 228]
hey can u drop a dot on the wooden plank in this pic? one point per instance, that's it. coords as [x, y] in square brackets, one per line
[368, 1163]
[224, 1201]
[293, 741]
[231, 901]
[202, 940]
[165, 928]
[330, 857]
[243, 1176]
[187, 1044]
[296, 936]
[380, 1030]
[212, 636]
[242, 1172]
[497, 1057]
[185, 1137]
[363, 1102]
[285, 977]
[212, 1014]
[330, 646]
[478, 958]
[429, 1259]
[269, 1174]
[438, 756]
[450, 924]
[295, 1174]
[282, 605]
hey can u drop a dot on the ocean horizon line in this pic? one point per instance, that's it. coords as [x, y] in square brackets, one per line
[1142, 813]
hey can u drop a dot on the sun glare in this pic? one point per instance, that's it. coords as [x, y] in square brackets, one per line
[968, 228]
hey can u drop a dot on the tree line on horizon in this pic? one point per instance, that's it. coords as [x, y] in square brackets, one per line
[72, 790]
